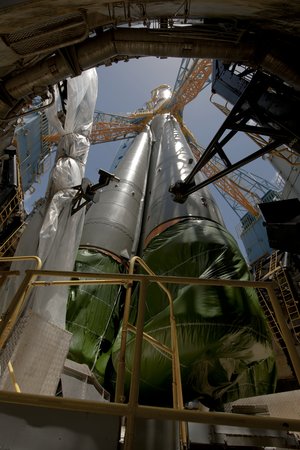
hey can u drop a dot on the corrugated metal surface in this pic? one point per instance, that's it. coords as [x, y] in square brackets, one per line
[37, 351]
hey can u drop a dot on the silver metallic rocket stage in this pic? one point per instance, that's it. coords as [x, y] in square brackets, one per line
[224, 346]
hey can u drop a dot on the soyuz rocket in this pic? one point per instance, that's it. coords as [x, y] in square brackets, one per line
[224, 344]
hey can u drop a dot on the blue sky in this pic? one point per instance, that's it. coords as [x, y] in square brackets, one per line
[125, 87]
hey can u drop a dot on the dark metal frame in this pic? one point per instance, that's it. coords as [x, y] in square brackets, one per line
[274, 116]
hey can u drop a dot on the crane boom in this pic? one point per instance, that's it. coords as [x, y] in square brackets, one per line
[192, 77]
[114, 131]
[194, 81]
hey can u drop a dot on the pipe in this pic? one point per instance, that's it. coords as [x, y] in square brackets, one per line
[36, 259]
[43, 74]
[142, 42]
[127, 278]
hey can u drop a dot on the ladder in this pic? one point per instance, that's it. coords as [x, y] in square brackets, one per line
[268, 311]
[272, 269]
[264, 300]
[12, 218]
[274, 261]
[289, 301]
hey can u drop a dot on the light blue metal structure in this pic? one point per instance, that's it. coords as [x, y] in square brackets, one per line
[32, 148]
[253, 232]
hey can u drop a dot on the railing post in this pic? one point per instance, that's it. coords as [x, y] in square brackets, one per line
[14, 310]
[135, 376]
[119, 394]
[176, 373]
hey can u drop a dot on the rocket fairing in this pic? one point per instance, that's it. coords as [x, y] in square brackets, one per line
[224, 344]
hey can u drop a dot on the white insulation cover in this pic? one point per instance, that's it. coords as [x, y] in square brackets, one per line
[57, 240]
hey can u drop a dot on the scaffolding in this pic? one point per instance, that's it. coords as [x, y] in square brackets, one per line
[131, 410]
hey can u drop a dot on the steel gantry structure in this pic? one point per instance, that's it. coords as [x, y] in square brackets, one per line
[238, 188]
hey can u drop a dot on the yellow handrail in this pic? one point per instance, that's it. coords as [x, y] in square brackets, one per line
[23, 258]
[132, 409]
[16, 306]
[176, 374]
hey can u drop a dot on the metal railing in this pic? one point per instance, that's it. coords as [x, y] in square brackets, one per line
[10, 318]
[132, 410]
[173, 351]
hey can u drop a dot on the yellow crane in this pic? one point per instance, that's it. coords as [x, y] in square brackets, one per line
[193, 76]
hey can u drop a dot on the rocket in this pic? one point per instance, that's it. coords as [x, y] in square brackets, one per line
[224, 344]
[108, 239]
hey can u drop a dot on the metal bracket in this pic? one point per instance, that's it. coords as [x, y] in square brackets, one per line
[86, 190]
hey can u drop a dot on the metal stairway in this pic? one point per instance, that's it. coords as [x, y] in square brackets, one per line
[289, 301]
[265, 302]
[274, 269]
